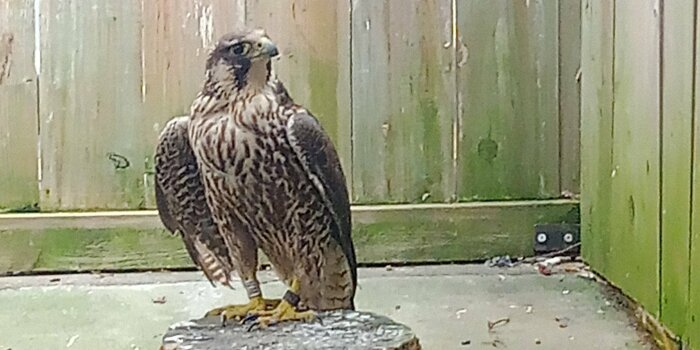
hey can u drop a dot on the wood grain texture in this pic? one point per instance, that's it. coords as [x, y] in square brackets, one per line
[635, 228]
[121, 71]
[314, 40]
[18, 106]
[89, 104]
[381, 77]
[508, 93]
[692, 333]
[596, 131]
[569, 95]
[337, 329]
[382, 234]
[676, 160]
[403, 101]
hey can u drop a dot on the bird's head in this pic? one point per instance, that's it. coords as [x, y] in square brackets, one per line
[242, 60]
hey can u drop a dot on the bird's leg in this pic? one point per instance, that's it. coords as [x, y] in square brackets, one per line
[256, 303]
[285, 311]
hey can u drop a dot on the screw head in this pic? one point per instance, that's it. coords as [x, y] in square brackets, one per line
[541, 237]
[568, 238]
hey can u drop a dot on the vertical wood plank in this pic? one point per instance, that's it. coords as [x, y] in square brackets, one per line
[634, 241]
[597, 42]
[90, 110]
[692, 333]
[677, 114]
[18, 106]
[176, 39]
[569, 95]
[122, 70]
[314, 39]
[508, 91]
[403, 102]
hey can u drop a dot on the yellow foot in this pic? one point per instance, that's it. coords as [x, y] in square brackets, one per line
[283, 312]
[257, 304]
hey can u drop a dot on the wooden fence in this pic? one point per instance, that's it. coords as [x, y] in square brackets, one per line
[427, 102]
[640, 156]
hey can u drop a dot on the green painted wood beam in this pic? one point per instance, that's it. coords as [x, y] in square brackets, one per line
[39, 242]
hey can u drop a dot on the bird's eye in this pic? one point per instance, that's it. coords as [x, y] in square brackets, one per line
[240, 48]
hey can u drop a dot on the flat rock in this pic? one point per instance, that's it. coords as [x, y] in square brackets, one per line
[339, 329]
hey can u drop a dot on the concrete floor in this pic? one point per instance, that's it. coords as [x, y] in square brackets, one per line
[447, 306]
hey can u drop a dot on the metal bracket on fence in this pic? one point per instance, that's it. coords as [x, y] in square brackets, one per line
[557, 237]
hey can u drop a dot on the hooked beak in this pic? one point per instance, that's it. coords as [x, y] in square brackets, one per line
[269, 48]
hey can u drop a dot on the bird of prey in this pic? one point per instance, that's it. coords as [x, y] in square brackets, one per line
[250, 169]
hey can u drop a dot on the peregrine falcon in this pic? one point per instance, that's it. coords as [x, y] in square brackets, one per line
[250, 169]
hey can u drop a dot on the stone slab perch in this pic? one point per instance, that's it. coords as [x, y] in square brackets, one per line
[338, 330]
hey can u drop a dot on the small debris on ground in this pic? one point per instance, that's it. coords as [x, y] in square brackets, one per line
[556, 260]
[563, 321]
[500, 261]
[72, 340]
[466, 342]
[496, 343]
[460, 312]
[572, 267]
[565, 292]
[397, 307]
[537, 341]
[159, 300]
[389, 268]
[54, 280]
[499, 322]
[546, 266]
[587, 274]
[528, 309]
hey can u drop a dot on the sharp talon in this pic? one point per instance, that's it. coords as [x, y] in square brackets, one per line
[249, 317]
[260, 324]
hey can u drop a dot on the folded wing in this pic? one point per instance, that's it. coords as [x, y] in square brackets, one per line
[182, 206]
[317, 154]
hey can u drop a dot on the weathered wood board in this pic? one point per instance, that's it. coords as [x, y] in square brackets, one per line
[89, 104]
[122, 70]
[403, 102]
[382, 234]
[621, 149]
[569, 95]
[425, 103]
[635, 228]
[692, 333]
[596, 131]
[640, 155]
[19, 187]
[314, 40]
[507, 64]
[676, 160]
